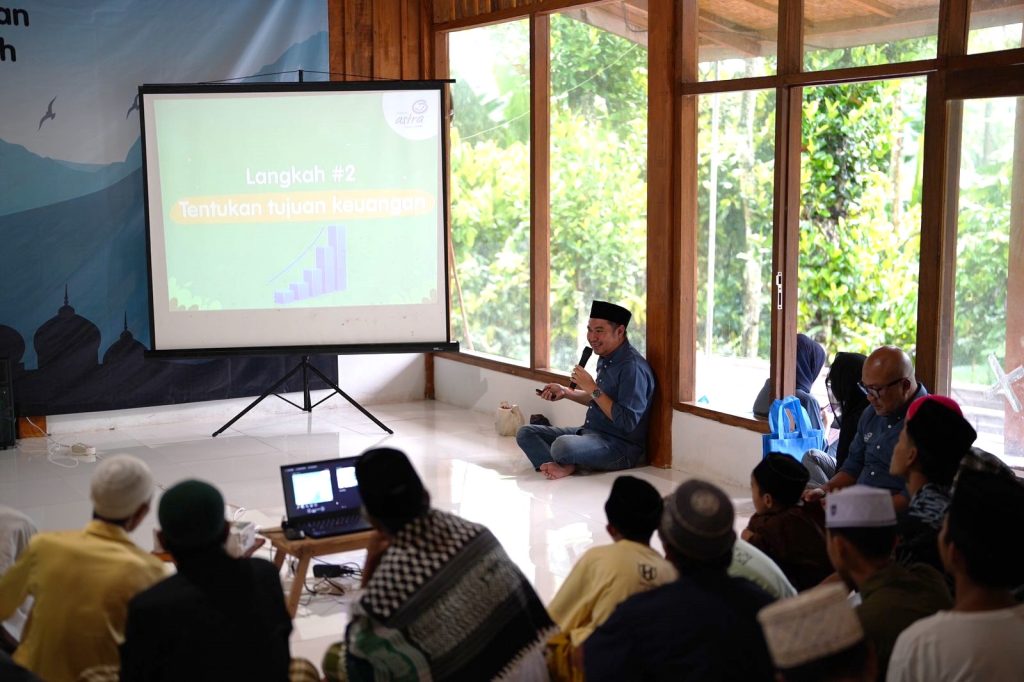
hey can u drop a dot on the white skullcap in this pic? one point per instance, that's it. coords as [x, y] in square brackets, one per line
[859, 506]
[120, 485]
[811, 626]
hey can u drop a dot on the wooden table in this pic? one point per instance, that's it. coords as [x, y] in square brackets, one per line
[306, 549]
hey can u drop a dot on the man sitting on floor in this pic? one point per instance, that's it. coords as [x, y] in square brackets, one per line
[614, 434]
[218, 618]
[701, 626]
[441, 599]
[861, 526]
[888, 381]
[981, 638]
[82, 580]
[606, 575]
[933, 442]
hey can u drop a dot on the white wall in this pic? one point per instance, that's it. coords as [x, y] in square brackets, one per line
[702, 447]
[369, 379]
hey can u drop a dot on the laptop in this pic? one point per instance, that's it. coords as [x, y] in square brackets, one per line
[322, 498]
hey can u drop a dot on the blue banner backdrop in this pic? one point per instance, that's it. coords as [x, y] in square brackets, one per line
[74, 303]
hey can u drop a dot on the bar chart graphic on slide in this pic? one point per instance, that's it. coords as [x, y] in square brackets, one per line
[328, 275]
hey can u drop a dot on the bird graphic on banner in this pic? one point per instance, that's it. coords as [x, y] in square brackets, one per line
[49, 114]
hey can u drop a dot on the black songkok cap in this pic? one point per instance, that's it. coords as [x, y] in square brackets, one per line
[782, 477]
[389, 486]
[634, 506]
[603, 310]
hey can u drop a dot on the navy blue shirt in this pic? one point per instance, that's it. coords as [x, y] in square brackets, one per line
[628, 380]
[702, 627]
[871, 449]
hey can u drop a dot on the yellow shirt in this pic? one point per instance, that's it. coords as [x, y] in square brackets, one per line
[602, 579]
[82, 582]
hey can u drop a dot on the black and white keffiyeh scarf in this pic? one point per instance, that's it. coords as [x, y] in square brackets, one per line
[447, 603]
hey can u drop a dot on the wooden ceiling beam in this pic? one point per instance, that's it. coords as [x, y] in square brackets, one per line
[728, 38]
[876, 7]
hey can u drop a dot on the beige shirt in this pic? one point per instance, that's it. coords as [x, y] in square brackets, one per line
[602, 579]
[82, 582]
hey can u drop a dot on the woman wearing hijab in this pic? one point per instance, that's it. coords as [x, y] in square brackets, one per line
[842, 380]
[810, 358]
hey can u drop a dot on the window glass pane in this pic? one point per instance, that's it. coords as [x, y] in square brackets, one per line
[860, 214]
[736, 39]
[490, 190]
[598, 174]
[868, 32]
[988, 327]
[995, 25]
[736, 166]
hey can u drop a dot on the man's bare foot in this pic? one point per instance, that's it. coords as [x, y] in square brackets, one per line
[552, 471]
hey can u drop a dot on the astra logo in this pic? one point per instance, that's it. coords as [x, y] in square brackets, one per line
[419, 106]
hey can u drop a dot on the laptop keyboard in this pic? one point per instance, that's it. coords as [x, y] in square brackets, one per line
[334, 525]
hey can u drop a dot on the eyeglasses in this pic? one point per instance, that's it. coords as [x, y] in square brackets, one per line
[875, 391]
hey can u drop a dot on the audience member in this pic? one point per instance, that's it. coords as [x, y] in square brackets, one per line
[441, 598]
[16, 530]
[605, 576]
[861, 526]
[618, 402]
[981, 638]
[933, 442]
[82, 580]
[195, 624]
[751, 563]
[810, 358]
[702, 626]
[816, 637]
[787, 530]
[887, 380]
[841, 382]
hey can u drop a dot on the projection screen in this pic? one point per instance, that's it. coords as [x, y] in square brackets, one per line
[288, 216]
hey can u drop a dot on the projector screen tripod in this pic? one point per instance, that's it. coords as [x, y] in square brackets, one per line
[307, 404]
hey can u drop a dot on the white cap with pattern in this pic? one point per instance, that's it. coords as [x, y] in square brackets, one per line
[811, 626]
[119, 486]
[860, 506]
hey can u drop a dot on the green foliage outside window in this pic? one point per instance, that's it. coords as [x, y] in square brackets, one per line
[859, 221]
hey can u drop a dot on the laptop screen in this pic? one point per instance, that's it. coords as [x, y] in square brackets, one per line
[320, 488]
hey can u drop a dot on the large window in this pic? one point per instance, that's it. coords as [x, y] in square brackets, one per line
[598, 202]
[490, 190]
[988, 337]
[860, 214]
[804, 152]
[736, 166]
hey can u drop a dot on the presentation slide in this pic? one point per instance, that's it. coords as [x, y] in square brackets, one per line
[346, 478]
[312, 488]
[295, 217]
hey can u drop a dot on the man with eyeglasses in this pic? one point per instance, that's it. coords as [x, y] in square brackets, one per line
[888, 382]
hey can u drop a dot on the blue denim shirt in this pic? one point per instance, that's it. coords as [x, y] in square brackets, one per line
[871, 449]
[627, 379]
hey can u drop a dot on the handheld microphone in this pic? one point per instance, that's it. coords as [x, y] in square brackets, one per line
[584, 357]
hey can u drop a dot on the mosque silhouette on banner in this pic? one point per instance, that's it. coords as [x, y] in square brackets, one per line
[69, 379]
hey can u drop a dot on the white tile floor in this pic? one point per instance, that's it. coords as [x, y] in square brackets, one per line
[468, 469]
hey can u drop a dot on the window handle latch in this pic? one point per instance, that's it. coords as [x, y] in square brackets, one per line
[778, 290]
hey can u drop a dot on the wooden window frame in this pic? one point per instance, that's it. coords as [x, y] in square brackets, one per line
[674, 88]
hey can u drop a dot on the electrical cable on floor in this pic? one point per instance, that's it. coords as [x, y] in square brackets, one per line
[72, 460]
